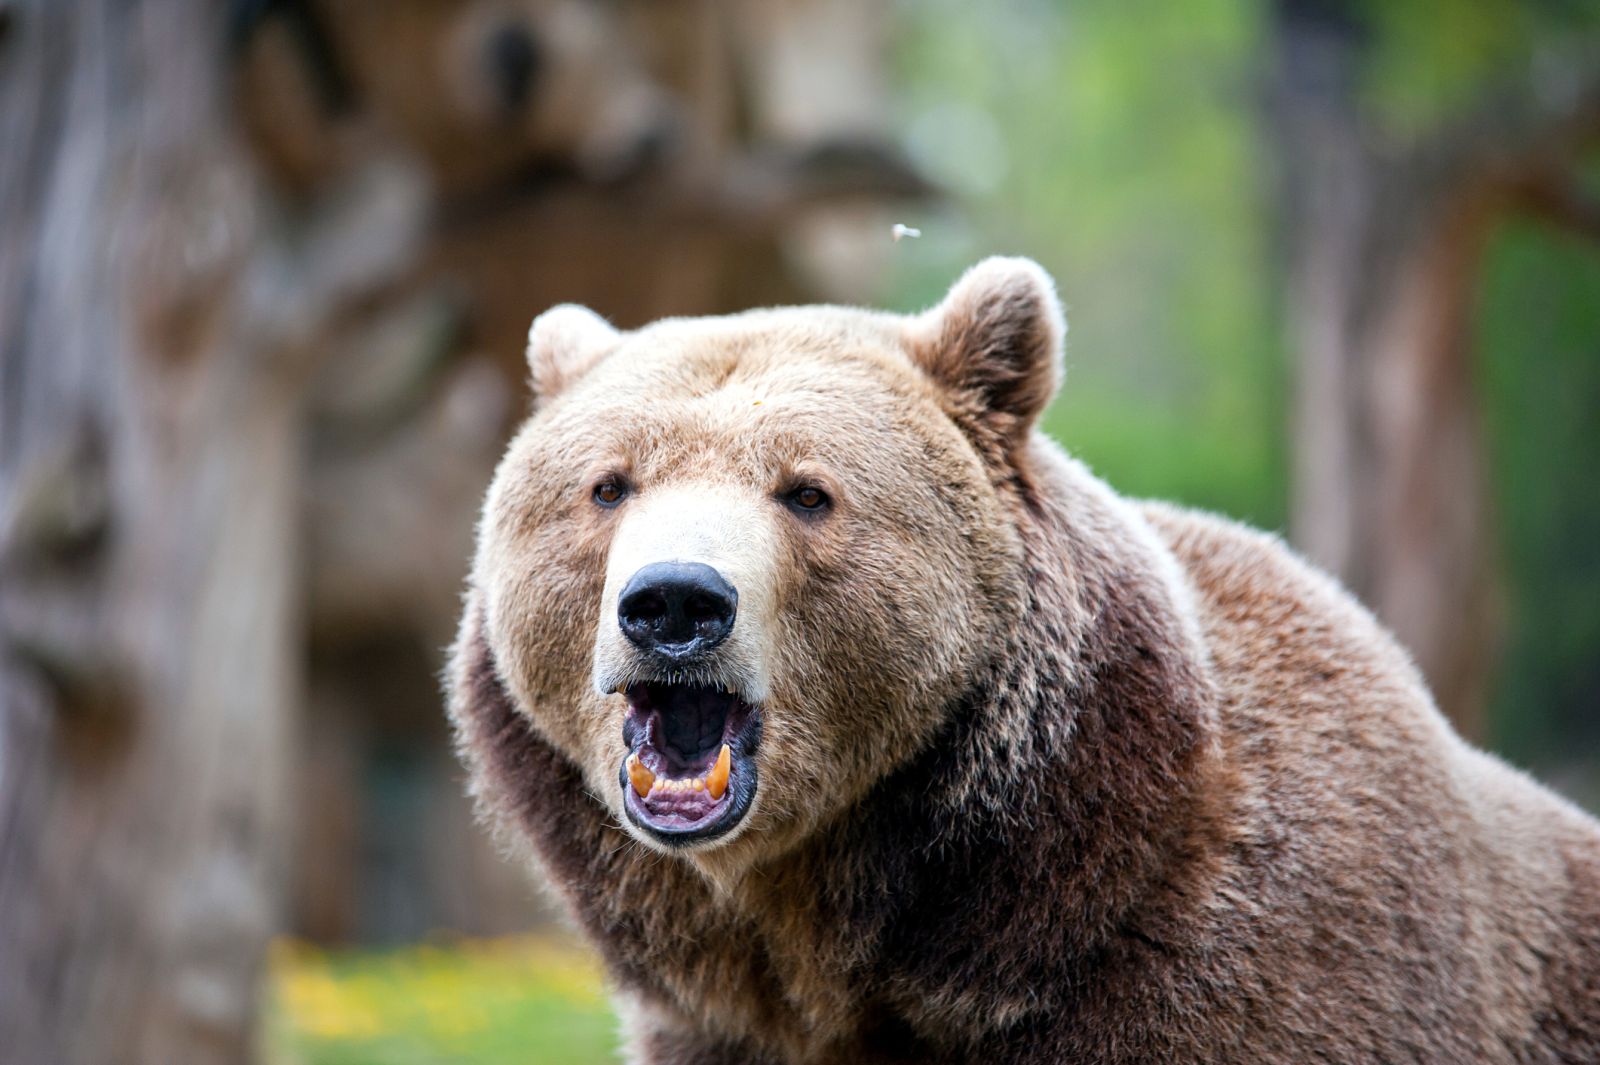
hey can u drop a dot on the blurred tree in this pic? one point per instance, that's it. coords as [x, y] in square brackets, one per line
[154, 324]
[1406, 134]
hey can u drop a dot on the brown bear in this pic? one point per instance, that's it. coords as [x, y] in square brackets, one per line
[854, 722]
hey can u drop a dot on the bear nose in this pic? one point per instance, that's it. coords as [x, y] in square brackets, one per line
[677, 608]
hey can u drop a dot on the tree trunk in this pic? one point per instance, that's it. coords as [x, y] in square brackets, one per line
[154, 353]
[1385, 242]
[1383, 253]
[1431, 560]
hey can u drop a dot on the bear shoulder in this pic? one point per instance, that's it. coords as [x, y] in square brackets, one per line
[1349, 768]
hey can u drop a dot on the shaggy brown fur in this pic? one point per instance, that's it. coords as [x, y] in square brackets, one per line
[1046, 776]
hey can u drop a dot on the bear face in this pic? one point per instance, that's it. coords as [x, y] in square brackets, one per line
[703, 589]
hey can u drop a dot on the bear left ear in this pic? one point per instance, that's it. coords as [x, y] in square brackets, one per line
[996, 343]
[564, 343]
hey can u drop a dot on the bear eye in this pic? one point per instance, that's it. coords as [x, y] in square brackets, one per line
[808, 499]
[609, 493]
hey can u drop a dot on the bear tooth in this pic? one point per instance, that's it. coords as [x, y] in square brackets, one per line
[640, 775]
[717, 779]
[698, 784]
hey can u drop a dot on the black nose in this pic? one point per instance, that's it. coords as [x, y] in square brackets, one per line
[677, 608]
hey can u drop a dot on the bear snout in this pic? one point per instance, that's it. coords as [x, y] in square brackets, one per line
[678, 611]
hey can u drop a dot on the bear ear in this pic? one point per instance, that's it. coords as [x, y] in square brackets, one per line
[995, 342]
[564, 343]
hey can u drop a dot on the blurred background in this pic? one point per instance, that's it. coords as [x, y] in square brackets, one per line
[1331, 266]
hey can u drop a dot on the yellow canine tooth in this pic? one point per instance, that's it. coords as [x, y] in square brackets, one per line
[717, 779]
[640, 775]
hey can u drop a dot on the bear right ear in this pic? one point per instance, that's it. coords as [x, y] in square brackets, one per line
[995, 344]
[564, 343]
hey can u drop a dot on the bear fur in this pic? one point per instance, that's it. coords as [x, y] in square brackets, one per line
[1044, 775]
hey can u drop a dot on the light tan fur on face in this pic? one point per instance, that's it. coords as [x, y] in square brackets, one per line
[853, 632]
[715, 524]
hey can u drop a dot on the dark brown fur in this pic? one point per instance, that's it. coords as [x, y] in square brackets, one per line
[1195, 807]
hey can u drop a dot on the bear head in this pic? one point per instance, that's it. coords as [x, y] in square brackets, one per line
[738, 569]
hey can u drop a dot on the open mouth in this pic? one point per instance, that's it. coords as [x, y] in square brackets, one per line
[690, 774]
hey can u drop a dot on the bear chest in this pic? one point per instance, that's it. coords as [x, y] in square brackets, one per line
[766, 967]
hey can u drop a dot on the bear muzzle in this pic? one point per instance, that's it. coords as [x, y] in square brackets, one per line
[690, 773]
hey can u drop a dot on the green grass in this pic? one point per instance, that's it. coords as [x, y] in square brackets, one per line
[462, 1002]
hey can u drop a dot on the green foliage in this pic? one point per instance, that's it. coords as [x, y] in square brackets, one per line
[1120, 152]
[1431, 62]
[1539, 374]
[469, 1002]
